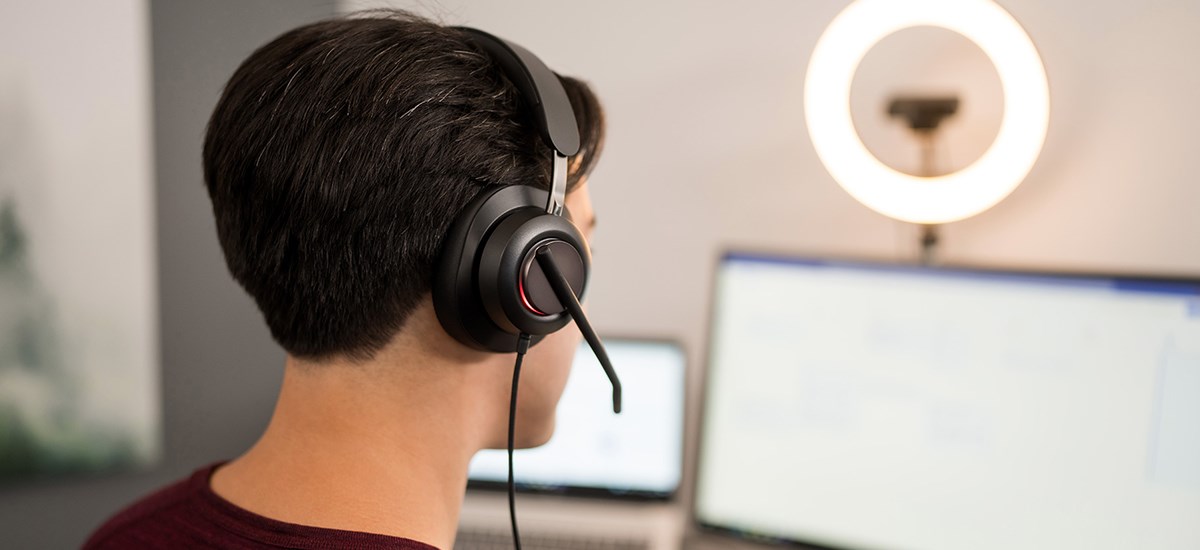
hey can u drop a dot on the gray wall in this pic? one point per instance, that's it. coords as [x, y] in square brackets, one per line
[220, 370]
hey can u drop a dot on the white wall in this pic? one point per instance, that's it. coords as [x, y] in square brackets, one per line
[707, 146]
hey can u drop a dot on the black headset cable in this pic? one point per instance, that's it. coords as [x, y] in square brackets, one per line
[522, 347]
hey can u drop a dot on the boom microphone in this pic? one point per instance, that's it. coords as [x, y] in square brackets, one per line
[566, 296]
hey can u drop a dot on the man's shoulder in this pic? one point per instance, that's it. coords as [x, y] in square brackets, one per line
[188, 514]
[154, 520]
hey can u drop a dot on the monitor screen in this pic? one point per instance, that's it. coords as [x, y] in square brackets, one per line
[636, 454]
[873, 406]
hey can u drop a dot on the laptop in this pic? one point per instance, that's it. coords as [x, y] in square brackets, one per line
[603, 481]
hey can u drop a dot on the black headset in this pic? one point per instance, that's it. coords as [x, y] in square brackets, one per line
[488, 289]
[512, 264]
[512, 269]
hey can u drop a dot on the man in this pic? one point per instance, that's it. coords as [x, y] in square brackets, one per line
[336, 160]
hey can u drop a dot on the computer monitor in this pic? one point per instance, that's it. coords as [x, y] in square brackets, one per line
[637, 454]
[854, 405]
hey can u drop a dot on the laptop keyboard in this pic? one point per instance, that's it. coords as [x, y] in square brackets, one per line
[479, 539]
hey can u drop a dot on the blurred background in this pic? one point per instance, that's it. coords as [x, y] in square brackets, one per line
[103, 107]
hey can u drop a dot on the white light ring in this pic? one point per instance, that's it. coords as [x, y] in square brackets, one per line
[926, 199]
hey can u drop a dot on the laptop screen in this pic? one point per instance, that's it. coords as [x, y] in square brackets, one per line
[636, 454]
[874, 406]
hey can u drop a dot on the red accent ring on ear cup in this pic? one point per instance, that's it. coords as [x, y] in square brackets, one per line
[525, 298]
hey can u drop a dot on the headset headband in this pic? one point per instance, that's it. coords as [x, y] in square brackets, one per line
[544, 93]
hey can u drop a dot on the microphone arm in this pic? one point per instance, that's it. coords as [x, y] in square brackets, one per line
[562, 290]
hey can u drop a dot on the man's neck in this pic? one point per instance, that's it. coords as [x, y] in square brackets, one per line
[358, 448]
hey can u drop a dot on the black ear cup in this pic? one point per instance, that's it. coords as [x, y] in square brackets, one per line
[506, 265]
[487, 289]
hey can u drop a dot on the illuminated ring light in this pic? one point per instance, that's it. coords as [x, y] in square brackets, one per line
[902, 196]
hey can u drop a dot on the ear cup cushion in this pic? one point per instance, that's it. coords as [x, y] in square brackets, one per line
[455, 284]
[505, 257]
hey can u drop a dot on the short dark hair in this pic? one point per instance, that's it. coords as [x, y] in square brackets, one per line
[340, 153]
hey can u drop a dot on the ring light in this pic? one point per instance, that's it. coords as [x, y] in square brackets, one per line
[939, 199]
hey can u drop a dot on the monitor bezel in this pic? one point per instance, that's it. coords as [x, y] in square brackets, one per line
[595, 492]
[785, 257]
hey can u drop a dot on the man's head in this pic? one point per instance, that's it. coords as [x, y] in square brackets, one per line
[340, 153]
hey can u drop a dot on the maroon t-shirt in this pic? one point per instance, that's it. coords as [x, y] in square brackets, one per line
[188, 514]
